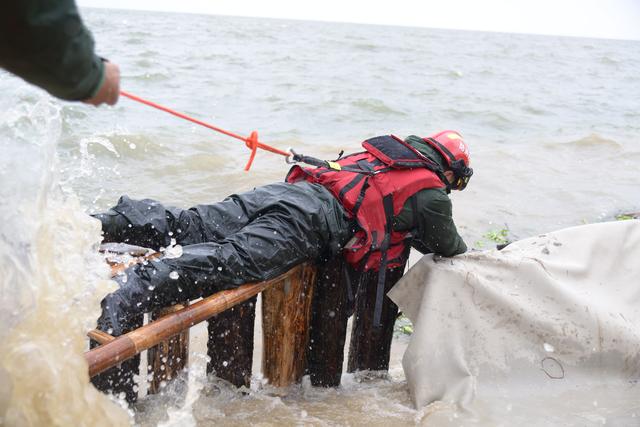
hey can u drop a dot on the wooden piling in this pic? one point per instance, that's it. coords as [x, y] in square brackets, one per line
[286, 310]
[118, 377]
[166, 360]
[230, 343]
[370, 346]
[328, 324]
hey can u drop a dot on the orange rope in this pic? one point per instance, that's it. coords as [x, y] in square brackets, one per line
[252, 141]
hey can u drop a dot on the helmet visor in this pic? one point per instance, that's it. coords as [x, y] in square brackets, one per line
[462, 175]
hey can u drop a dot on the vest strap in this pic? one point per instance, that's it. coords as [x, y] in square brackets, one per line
[387, 202]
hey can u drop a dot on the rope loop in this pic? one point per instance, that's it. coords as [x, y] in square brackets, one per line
[252, 144]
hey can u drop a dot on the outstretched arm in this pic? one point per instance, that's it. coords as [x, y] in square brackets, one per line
[429, 216]
[46, 43]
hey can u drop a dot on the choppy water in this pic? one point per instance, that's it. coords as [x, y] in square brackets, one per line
[553, 125]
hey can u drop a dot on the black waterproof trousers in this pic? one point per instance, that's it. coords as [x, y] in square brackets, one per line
[249, 237]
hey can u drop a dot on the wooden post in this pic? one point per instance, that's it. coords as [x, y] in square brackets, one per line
[230, 344]
[286, 309]
[328, 324]
[119, 379]
[171, 356]
[370, 346]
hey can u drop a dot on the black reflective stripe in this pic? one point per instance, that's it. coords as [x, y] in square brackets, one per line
[322, 172]
[387, 202]
[354, 170]
[363, 190]
[374, 240]
[365, 165]
[350, 185]
[452, 158]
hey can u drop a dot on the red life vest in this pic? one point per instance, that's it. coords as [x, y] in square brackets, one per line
[373, 187]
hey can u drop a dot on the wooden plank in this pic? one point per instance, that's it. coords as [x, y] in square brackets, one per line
[230, 343]
[169, 357]
[328, 324]
[128, 345]
[370, 347]
[286, 310]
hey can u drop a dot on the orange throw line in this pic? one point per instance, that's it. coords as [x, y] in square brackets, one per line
[252, 141]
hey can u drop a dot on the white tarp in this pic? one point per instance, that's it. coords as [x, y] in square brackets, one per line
[550, 320]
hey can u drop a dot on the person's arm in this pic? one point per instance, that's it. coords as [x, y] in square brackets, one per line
[429, 217]
[45, 43]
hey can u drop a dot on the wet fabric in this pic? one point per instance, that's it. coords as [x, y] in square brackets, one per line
[554, 316]
[248, 237]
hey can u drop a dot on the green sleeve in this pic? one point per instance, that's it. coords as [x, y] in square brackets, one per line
[46, 43]
[429, 218]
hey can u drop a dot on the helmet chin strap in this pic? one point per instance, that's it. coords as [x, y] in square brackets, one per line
[444, 179]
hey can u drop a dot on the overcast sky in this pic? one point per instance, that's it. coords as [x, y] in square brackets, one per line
[619, 19]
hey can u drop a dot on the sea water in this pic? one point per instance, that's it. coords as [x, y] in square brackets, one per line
[553, 124]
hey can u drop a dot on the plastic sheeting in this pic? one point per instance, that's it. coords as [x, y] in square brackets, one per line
[550, 320]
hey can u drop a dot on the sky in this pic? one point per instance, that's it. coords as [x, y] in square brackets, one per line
[617, 19]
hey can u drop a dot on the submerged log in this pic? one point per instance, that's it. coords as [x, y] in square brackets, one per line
[166, 360]
[230, 343]
[328, 324]
[371, 346]
[286, 309]
[128, 345]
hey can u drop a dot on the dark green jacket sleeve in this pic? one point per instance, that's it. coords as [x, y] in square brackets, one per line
[428, 215]
[46, 43]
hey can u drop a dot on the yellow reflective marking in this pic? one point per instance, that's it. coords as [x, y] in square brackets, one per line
[453, 135]
[334, 165]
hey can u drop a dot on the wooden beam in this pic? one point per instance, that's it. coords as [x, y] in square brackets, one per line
[128, 345]
[100, 337]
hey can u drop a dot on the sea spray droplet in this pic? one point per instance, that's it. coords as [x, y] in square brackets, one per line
[174, 275]
[173, 252]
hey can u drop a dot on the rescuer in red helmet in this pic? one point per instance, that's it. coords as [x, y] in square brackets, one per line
[370, 206]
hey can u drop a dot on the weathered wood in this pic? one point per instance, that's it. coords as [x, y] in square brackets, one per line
[169, 357]
[370, 346]
[128, 345]
[230, 344]
[328, 324]
[286, 309]
[100, 337]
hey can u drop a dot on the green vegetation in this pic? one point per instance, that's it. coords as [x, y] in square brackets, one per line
[498, 237]
[624, 217]
[403, 326]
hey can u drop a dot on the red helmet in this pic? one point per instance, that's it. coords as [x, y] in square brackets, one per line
[450, 145]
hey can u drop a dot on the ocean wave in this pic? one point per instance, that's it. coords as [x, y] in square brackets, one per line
[376, 106]
[591, 141]
[153, 77]
[608, 60]
[369, 47]
[534, 110]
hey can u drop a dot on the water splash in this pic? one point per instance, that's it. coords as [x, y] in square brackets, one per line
[50, 279]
